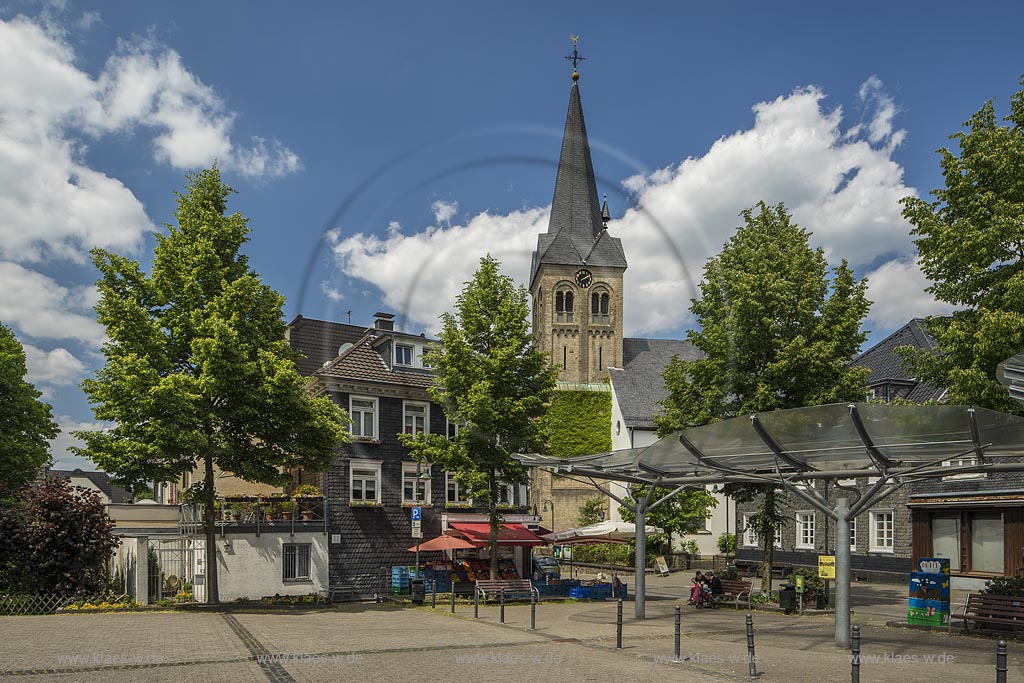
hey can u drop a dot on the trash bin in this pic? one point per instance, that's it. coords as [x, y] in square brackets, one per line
[787, 597]
[418, 591]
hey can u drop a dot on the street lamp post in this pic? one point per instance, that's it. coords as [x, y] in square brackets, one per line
[546, 503]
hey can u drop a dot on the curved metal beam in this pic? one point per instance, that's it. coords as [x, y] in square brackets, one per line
[777, 448]
[881, 460]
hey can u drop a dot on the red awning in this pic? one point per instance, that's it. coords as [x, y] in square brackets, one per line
[479, 534]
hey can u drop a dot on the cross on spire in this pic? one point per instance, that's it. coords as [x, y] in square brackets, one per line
[575, 57]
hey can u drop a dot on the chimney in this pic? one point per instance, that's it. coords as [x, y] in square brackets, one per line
[384, 321]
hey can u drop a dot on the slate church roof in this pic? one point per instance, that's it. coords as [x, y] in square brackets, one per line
[576, 234]
[639, 385]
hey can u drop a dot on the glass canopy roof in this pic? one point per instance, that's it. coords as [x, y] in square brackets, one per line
[814, 442]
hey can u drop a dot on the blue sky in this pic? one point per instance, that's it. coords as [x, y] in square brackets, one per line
[380, 150]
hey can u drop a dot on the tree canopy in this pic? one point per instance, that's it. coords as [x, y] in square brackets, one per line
[199, 373]
[683, 513]
[776, 332]
[971, 245]
[26, 424]
[492, 382]
[54, 539]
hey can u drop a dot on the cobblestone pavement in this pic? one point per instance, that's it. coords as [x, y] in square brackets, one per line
[573, 642]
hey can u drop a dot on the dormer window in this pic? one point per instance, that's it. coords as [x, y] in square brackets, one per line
[563, 306]
[403, 354]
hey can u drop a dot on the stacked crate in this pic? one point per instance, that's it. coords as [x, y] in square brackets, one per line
[400, 581]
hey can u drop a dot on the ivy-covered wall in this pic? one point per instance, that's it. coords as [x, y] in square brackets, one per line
[579, 423]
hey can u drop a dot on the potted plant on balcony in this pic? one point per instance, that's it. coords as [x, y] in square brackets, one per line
[306, 495]
[285, 509]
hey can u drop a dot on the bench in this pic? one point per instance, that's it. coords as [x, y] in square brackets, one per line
[1006, 611]
[513, 589]
[737, 589]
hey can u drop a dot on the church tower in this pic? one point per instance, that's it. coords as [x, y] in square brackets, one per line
[576, 275]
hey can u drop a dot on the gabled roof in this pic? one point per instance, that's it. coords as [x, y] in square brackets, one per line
[319, 341]
[101, 480]
[888, 368]
[639, 385]
[362, 363]
[576, 234]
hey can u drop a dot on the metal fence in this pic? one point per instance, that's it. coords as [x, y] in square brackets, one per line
[24, 605]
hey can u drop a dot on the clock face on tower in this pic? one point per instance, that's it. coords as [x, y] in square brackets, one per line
[584, 278]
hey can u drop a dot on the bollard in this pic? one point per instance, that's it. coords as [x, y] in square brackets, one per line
[433, 597]
[476, 603]
[618, 627]
[453, 599]
[751, 658]
[501, 597]
[533, 611]
[1001, 661]
[675, 657]
[855, 655]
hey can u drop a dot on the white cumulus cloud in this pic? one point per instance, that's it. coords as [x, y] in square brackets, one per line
[897, 289]
[56, 367]
[839, 181]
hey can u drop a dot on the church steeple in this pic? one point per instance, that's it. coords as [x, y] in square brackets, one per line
[577, 274]
[576, 230]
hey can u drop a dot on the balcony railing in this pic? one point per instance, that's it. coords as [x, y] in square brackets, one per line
[241, 514]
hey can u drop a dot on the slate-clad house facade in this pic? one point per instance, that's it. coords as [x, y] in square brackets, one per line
[380, 379]
[881, 539]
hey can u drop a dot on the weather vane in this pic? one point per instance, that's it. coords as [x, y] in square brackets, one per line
[575, 57]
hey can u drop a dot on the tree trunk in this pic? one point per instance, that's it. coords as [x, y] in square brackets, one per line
[495, 520]
[210, 527]
[766, 566]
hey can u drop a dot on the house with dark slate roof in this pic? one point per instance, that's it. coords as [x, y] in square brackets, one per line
[93, 481]
[379, 377]
[889, 379]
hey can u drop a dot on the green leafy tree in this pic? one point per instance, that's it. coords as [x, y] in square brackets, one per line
[776, 332]
[971, 245]
[591, 512]
[199, 374]
[493, 383]
[56, 540]
[26, 424]
[684, 513]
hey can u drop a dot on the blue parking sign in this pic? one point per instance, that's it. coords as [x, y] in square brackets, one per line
[416, 514]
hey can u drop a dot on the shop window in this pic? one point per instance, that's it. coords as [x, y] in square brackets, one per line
[946, 538]
[987, 542]
[805, 530]
[296, 562]
[416, 483]
[882, 531]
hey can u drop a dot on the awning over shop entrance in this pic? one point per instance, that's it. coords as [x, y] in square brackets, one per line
[479, 534]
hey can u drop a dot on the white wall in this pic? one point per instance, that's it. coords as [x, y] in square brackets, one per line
[252, 566]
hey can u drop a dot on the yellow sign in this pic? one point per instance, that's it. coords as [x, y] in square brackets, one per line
[827, 566]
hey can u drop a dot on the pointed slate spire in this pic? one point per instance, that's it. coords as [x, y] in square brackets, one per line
[605, 213]
[576, 230]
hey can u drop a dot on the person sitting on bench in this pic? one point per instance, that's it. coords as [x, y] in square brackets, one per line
[714, 584]
[697, 589]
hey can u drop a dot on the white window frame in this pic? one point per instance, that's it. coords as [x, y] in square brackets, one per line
[510, 492]
[424, 350]
[750, 539]
[853, 534]
[298, 558]
[409, 473]
[448, 427]
[876, 517]
[412, 354]
[805, 521]
[449, 482]
[364, 465]
[376, 417]
[405, 416]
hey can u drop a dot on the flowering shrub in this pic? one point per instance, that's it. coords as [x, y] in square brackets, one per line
[83, 605]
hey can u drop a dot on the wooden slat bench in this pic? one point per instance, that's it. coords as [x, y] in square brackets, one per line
[515, 589]
[736, 589]
[1005, 611]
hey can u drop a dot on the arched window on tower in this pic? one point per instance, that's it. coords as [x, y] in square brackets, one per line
[599, 308]
[563, 306]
